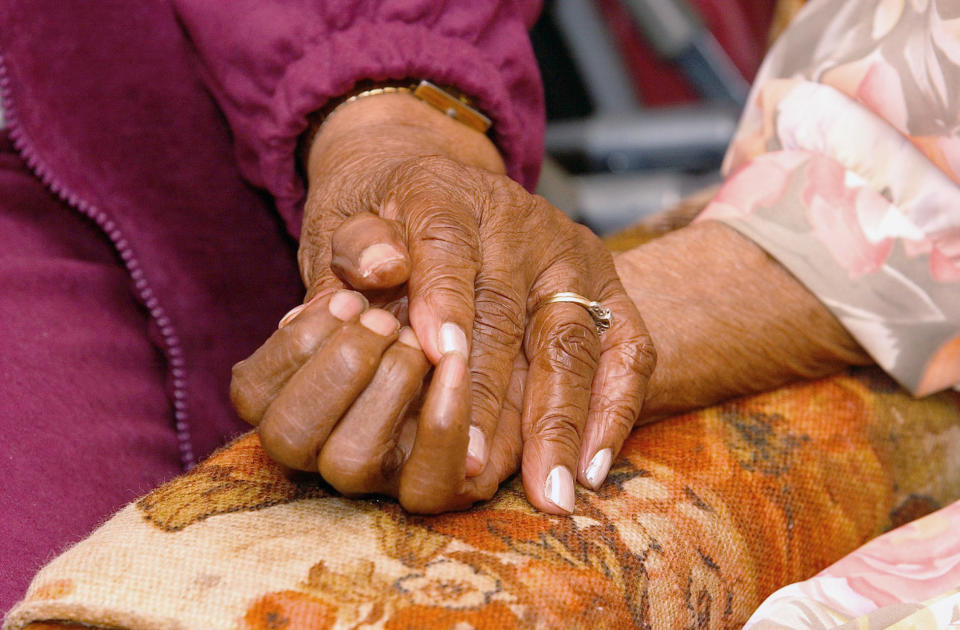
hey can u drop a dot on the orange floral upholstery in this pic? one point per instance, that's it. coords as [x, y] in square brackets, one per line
[702, 517]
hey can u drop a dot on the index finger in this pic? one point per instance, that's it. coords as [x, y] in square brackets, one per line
[434, 205]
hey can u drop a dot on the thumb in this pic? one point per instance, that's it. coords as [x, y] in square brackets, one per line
[368, 253]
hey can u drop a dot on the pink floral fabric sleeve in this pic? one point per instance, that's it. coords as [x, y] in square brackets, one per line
[907, 579]
[846, 168]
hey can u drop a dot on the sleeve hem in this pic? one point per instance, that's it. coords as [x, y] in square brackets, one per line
[912, 364]
[333, 66]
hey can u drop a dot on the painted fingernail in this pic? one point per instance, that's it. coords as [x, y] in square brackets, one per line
[477, 445]
[376, 256]
[409, 338]
[598, 468]
[558, 488]
[452, 370]
[293, 312]
[346, 305]
[380, 322]
[452, 339]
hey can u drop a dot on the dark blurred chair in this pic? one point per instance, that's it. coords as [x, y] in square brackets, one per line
[643, 97]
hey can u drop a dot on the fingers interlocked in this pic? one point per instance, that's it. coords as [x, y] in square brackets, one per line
[584, 390]
[475, 255]
[336, 390]
[483, 262]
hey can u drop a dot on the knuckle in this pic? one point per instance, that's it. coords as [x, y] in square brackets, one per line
[641, 356]
[280, 446]
[495, 346]
[447, 286]
[242, 402]
[619, 415]
[572, 347]
[238, 382]
[511, 200]
[647, 358]
[634, 349]
[397, 366]
[245, 394]
[350, 473]
[450, 240]
[297, 339]
[354, 357]
[445, 227]
[500, 313]
[584, 234]
[622, 417]
[238, 371]
[276, 420]
[441, 199]
[488, 391]
[560, 427]
[581, 249]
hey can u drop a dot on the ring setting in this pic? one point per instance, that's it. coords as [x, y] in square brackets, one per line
[601, 315]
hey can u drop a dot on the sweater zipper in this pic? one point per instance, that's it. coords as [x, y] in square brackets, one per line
[172, 347]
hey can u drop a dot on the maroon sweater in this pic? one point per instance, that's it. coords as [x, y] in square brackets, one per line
[165, 122]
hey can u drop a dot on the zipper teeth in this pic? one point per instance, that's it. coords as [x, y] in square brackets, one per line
[172, 346]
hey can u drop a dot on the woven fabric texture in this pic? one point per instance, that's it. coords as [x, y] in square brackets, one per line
[907, 579]
[703, 516]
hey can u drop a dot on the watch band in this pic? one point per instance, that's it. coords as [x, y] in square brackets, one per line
[456, 107]
[450, 101]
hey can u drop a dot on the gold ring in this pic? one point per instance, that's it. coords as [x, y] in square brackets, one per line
[601, 315]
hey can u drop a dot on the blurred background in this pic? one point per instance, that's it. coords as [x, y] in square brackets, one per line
[642, 98]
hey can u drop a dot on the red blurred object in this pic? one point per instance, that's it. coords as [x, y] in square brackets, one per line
[740, 27]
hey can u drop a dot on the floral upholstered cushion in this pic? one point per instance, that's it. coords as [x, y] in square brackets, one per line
[703, 516]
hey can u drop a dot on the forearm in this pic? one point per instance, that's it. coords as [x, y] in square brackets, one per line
[845, 169]
[726, 320]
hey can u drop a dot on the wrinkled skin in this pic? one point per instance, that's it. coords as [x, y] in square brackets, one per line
[378, 430]
[457, 242]
[725, 317]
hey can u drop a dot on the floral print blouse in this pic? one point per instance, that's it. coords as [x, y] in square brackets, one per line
[846, 167]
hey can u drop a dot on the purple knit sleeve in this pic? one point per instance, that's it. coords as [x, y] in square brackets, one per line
[271, 63]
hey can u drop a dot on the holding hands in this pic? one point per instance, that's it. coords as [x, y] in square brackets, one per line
[413, 209]
[337, 391]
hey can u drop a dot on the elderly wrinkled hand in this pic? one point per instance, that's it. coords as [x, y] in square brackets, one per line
[421, 211]
[337, 389]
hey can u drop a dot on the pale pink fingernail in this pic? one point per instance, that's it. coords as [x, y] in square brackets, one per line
[452, 370]
[293, 312]
[598, 468]
[377, 255]
[345, 305]
[477, 446]
[409, 338]
[558, 488]
[380, 322]
[452, 339]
